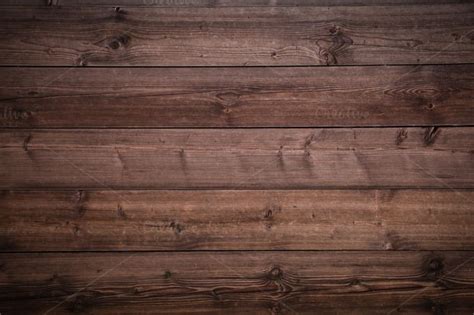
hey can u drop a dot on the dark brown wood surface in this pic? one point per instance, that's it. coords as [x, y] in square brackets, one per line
[245, 36]
[238, 283]
[222, 3]
[237, 97]
[237, 158]
[262, 220]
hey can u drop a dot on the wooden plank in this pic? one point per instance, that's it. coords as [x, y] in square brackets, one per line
[237, 158]
[355, 35]
[238, 283]
[237, 97]
[237, 220]
[221, 3]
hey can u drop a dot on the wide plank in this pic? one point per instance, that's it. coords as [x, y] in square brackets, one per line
[238, 283]
[239, 36]
[236, 220]
[237, 158]
[237, 97]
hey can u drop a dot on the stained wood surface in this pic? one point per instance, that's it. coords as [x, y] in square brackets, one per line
[220, 3]
[239, 283]
[355, 35]
[232, 97]
[262, 220]
[237, 158]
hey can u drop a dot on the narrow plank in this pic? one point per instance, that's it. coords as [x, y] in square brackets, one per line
[238, 283]
[353, 35]
[221, 3]
[237, 97]
[237, 158]
[236, 220]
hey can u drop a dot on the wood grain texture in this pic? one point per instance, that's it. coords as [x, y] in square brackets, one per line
[239, 283]
[237, 158]
[233, 97]
[237, 220]
[220, 3]
[355, 35]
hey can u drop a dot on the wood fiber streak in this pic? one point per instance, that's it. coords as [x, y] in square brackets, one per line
[186, 36]
[237, 97]
[239, 283]
[237, 220]
[237, 158]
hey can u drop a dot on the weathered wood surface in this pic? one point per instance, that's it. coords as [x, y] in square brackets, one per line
[238, 283]
[221, 3]
[237, 158]
[232, 97]
[355, 35]
[260, 220]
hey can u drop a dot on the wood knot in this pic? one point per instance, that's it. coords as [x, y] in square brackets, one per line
[275, 308]
[430, 135]
[215, 294]
[334, 30]
[119, 14]
[51, 3]
[401, 136]
[228, 98]
[430, 106]
[167, 274]
[275, 274]
[433, 268]
[79, 303]
[355, 282]
[26, 142]
[120, 212]
[413, 43]
[79, 200]
[436, 308]
[82, 61]
[337, 43]
[435, 265]
[118, 42]
[268, 214]
[178, 228]
[76, 230]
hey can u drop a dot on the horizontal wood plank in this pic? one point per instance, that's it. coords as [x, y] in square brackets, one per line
[355, 35]
[237, 220]
[237, 158]
[238, 283]
[220, 3]
[232, 97]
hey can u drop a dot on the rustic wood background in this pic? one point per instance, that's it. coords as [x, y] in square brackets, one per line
[237, 157]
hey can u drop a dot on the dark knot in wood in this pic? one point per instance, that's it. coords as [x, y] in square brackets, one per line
[118, 42]
[275, 274]
[329, 49]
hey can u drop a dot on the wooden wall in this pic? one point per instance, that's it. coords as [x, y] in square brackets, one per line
[237, 157]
